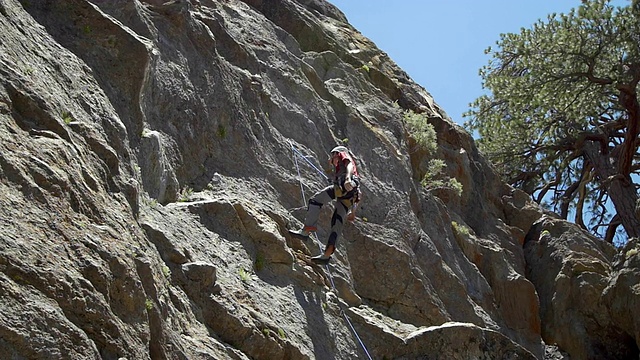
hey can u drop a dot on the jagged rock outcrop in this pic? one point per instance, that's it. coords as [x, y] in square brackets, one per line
[148, 174]
[581, 291]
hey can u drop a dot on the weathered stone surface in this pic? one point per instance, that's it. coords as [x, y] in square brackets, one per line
[200, 272]
[622, 294]
[572, 271]
[148, 178]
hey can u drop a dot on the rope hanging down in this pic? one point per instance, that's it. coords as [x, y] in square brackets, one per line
[297, 154]
[305, 158]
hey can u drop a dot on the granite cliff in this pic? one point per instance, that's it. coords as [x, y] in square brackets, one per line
[153, 154]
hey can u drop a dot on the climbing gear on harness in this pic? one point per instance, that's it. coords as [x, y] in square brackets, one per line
[342, 192]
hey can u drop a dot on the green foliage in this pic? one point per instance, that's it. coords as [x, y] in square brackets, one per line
[426, 139]
[460, 230]
[433, 178]
[421, 131]
[244, 275]
[366, 67]
[152, 203]
[281, 333]
[67, 118]
[558, 103]
[185, 194]
[148, 304]
[166, 271]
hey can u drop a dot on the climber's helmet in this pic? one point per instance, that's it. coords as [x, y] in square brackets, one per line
[338, 149]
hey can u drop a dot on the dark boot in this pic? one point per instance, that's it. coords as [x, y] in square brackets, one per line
[302, 233]
[321, 259]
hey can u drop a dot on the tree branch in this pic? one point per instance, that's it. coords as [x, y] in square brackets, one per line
[565, 201]
[611, 229]
[586, 177]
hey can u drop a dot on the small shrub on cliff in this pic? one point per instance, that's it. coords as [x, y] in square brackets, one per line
[185, 194]
[421, 131]
[433, 178]
[166, 271]
[152, 203]
[66, 117]
[426, 139]
[244, 275]
[459, 229]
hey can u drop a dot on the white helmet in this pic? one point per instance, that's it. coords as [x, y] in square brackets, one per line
[339, 149]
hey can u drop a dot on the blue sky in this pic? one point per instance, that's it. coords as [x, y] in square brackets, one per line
[441, 43]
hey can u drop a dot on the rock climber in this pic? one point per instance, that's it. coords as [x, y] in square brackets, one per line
[345, 189]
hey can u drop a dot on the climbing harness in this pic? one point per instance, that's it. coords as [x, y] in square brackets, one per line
[297, 154]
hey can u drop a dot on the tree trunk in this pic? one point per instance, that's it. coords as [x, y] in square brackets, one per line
[629, 99]
[623, 195]
[620, 188]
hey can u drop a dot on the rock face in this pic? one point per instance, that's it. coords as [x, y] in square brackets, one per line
[583, 286]
[152, 157]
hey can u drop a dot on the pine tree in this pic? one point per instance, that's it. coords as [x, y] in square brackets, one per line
[561, 118]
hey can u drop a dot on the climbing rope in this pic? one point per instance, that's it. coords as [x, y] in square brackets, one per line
[306, 159]
[297, 154]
